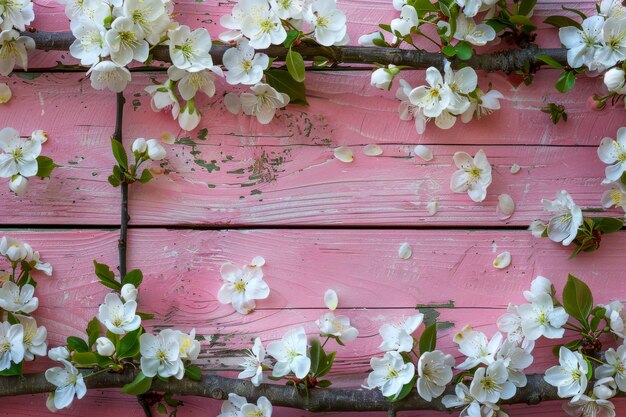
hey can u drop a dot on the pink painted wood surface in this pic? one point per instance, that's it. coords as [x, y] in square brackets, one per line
[374, 285]
[285, 173]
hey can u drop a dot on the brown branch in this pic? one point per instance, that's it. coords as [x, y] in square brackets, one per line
[505, 61]
[218, 387]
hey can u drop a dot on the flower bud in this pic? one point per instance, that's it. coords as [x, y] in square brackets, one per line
[129, 292]
[104, 346]
[59, 353]
[156, 152]
[189, 117]
[614, 80]
[605, 388]
[18, 184]
[368, 38]
[139, 145]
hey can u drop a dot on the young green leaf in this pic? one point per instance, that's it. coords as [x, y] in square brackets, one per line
[608, 224]
[93, 331]
[119, 153]
[77, 344]
[129, 344]
[522, 20]
[107, 278]
[550, 61]
[566, 81]
[45, 166]
[134, 277]
[14, 370]
[561, 21]
[463, 50]
[428, 340]
[577, 300]
[295, 65]
[146, 176]
[193, 372]
[292, 35]
[283, 82]
[140, 385]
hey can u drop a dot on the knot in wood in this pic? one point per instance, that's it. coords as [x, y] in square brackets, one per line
[218, 394]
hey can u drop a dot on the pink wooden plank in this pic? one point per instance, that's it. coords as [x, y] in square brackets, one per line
[285, 173]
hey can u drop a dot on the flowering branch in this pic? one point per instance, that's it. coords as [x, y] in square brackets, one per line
[506, 61]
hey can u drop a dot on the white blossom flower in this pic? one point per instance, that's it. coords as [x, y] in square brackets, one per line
[408, 20]
[407, 110]
[369, 38]
[570, 377]
[104, 346]
[11, 344]
[19, 155]
[263, 408]
[128, 291]
[13, 249]
[468, 30]
[612, 8]
[432, 99]
[89, 45]
[398, 336]
[461, 83]
[253, 363]
[511, 324]
[14, 51]
[604, 388]
[149, 15]
[189, 83]
[473, 176]
[160, 355]
[16, 14]
[615, 196]
[34, 260]
[615, 366]
[263, 102]
[69, 382]
[538, 286]
[516, 360]
[59, 353]
[287, 9]
[18, 184]
[483, 106]
[616, 316]
[327, 22]
[477, 349]
[189, 117]
[232, 406]
[462, 398]
[291, 354]
[34, 338]
[109, 75]
[126, 42]
[586, 406]
[582, 45]
[190, 50]
[95, 10]
[491, 384]
[434, 370]
[613, 152]
[243, 65]
[390, 374]
[5, 93]
[241, 287]
[118, 317]
[16, 299]
[163, 97]
[613, 47]
[542, 318]
[564, 226]
[261, 25]
[337, 326]
[382, 77]
[189, 346]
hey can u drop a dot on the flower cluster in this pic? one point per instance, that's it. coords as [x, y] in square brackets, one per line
[15, 15]
[143, 151]
[20, 337]
[443, 99]
[20, 158]
[613, 153]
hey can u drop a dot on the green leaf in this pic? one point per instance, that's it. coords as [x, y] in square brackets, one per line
[193, 372]
[292, 35]
[140, 385]
[77, 344]
[119, 153]
[526, 6]
[578, 12]
[172, 402]
[428, 340]
[161, 409]
[107, 277]
[14, 369]
[448, 50]
[315, 354]
[129, 345]
[134, 277]
[566, 81]
[424, 6]
[295, 65]
[550, 61]
[45, 166]
[326, 364]
[85, 358]
[463, 50]
[324, 383]
[93, 332]
[12, 319]
[406, 390]
[522, 20]
[283, 82]
[146, 176]
[577, 300]
[561, 22]
[608, 224]
[114, 181]
[385, 27]
[145, 316]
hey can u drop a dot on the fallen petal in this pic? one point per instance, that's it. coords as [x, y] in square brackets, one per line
[344, 154]
[405, 251]
[515, 169]
[372, 150]
[423, 152]
[506, 206]
[330, 299]
[168, 137]
[257, 261]
[502, 261]
[432, 207]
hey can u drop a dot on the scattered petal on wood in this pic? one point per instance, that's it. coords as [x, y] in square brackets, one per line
[423, 152]
[344, 154]
[432, 207]
[5, 93]
[330, 299]
[257, 261]
[372, 150]
[405, 251]
[168, 137]
[515, 169]
[506, 206]
[502, 261]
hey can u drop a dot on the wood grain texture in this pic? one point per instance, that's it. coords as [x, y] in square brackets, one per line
[242, 173]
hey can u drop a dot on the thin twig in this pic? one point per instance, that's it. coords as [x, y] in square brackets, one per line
[506, 61]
